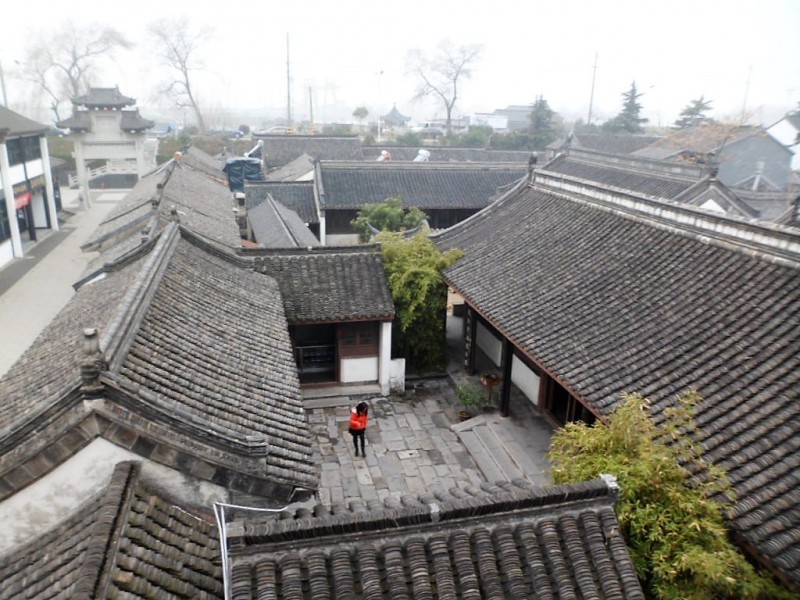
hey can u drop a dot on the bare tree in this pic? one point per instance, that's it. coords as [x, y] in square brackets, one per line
[178, 48]
[65, 62]
[440, 75]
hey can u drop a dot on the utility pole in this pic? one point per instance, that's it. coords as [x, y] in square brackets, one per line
[743, 117]
[591, 96]
[311, 109]
[288, 87]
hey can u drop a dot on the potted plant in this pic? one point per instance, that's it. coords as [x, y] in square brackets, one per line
[470, 396]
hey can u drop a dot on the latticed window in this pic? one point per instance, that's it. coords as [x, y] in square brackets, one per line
[358, 339]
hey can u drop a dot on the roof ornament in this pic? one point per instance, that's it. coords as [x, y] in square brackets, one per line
[611, 483]
[92, 364]
[173, 214]
[422, 155]
[385, 156]
[532, 165]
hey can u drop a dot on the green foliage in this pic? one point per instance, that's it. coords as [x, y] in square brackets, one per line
[414, 273]
[476, 137]
[694, 114]
[543, 126]
[390, 215]
[361, 113]
[470, 395]
[409, 139]
[513, 140]
[629, 119]
[673, 522]
[339, 129]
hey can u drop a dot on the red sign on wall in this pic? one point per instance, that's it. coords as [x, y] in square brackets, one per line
[22, 200]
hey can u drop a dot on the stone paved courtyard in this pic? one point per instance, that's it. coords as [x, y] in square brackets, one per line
[410, 447]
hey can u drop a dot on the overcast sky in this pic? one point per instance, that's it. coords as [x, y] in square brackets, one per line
[351, 53]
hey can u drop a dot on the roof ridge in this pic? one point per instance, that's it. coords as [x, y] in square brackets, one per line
[412, 511]
[96, 570]
[116, 340]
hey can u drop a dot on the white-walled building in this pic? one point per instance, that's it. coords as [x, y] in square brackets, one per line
[27, 201]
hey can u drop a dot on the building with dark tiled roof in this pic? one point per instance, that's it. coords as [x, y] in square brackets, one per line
[280, 150]
[203, 202]
[446, 192]
[746, 156]
[176, 354]
[394, 118]
[129, 541]
[692, 184]
[448, 154]
[509, 541]
[582, 292]
[27, 195]
[608, 143]
[300, 169]
[272, 225]
[101, 128]
[339, 310]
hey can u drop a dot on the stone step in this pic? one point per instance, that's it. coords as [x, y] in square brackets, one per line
[502, 448]
[482, 457]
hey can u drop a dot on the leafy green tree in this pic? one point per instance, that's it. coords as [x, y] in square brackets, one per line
[694, 114]
[389, 215]
[409, 139]
[512, 140]
[673, 522]
[629, 119]
[476, 137]
[414, 273]
[543, 128]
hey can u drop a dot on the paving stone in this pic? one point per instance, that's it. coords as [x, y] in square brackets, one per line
[415, 485]
[337, 494]
[387, 425]
[392, 435]
[429, 475]
[410, 468]
[442, 470]
[363, 475]
[396, 445]
[317, 418]
[403, 454]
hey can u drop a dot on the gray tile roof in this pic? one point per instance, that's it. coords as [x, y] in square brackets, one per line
[195, 350]
[329, 284]
[631, 177]
[205, 163]
[611, 143]
[610, 304]
[178, 319]
[17, 125]
[297, 196]
[280, 150]
[300, 166]
[701, 139]
[133, 121]
[275, 226]
[102, 98]
[127, 543]
[204, 205]
[504, 541]
[448, 154]
[347, 185]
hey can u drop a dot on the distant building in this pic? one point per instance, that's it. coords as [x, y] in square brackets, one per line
[28, 201]
[787, 132]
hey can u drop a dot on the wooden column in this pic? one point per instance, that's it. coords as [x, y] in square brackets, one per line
[470, 342]
[506, 363]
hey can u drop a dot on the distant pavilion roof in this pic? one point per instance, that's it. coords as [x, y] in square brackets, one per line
[103, 98]
[395, 117]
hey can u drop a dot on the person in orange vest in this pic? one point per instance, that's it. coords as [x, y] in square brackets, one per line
[358, 424]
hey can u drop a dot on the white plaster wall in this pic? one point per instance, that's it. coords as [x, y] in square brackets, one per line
[39, 208]
[491, 346]
[6, 252]
[525, 379]
[59, 494]
[358, 369]
[385, 358]
[34, 167]
[342, 239]
[712, 206]
[397, 376]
